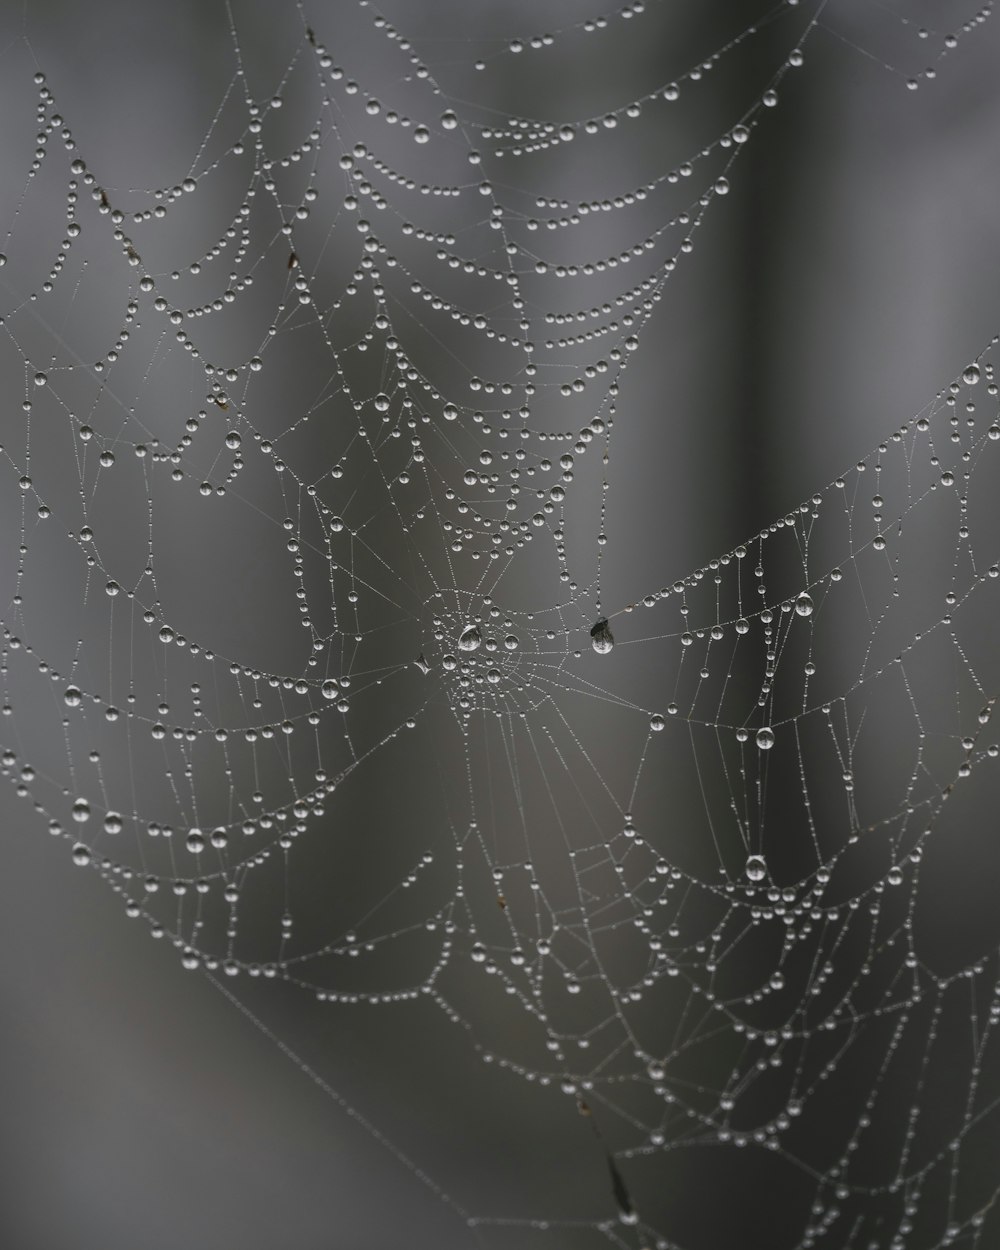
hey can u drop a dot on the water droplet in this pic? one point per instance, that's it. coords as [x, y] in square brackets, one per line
[81, 810]
[804, 604]
[895, 875]
[233, 440]
[656, 722]
[421, 134]
[113, 823]
[81, 855]
[448, 120]
[72, 696]
[40, 379]
[195, 842]
[970, 374]
[493, 676]
[756, 868]
[470, 639]
[765, 738]
[603, 639]
[330, 689]
[511, 642]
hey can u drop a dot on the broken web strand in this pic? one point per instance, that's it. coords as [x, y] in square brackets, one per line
[535, 707]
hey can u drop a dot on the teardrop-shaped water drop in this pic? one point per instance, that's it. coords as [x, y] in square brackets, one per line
[470, 639]
[756, 868]
[804, 605]
[602, 638]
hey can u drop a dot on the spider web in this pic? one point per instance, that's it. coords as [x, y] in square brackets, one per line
[339, 647]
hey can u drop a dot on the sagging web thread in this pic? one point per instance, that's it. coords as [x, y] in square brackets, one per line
[591, 920]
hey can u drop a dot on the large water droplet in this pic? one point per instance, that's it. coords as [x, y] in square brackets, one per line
[195, 841]
[804, 604]
[765, 738]
[81, 855]
[756, 868]
[970, 374]
[72, 696]
[81, 810]
[470, 639]
[330, 689]
[603, 639]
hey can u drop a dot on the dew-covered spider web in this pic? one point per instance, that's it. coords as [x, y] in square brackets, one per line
[406, 632]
